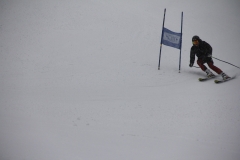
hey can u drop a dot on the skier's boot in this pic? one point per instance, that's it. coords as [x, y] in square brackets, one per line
[224, 76]
[209, 73]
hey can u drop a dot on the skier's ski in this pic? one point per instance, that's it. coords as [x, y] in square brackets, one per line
[206, 78]
[224, 80]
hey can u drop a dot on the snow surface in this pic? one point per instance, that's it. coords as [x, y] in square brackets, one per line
[79, 81]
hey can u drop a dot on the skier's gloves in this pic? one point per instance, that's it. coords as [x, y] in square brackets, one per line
[191, 64]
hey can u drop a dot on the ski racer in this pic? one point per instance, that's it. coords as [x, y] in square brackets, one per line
[204, 53]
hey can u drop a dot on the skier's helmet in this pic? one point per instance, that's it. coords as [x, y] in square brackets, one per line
[195, 40]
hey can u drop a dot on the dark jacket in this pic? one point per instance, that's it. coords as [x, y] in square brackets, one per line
[202, 51]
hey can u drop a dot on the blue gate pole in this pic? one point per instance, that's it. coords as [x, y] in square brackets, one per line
[181, 44]
[161, 40]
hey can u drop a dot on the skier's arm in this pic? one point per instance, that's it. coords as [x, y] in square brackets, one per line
[192, 56]
[207, 56]
[208, 49]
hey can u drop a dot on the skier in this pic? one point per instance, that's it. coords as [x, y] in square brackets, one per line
[204, 53]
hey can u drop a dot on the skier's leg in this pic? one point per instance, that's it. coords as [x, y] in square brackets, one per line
[214, 68]
[201, 65]
[217, 70]
[204, 68]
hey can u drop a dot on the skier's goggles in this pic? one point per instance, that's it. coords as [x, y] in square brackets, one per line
[195, 42]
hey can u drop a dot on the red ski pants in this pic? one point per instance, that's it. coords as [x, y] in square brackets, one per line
[200, 62]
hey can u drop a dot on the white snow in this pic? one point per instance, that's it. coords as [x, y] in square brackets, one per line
[79, 81]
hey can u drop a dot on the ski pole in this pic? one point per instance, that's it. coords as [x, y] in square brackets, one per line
[225, 62]
[196, 67]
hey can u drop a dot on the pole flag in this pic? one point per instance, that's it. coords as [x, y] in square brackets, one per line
[171, 39]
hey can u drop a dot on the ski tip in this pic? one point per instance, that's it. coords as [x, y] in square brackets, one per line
[216, 81]
[206, 78]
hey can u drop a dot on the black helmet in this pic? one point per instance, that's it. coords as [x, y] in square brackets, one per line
[195, 38]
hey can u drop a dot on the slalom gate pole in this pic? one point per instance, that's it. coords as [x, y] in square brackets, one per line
[161, 40]
[181, 44]
[225, 62]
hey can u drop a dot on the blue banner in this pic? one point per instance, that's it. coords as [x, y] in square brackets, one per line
[171, 39]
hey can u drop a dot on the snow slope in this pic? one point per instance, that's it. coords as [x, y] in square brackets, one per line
[79, 81]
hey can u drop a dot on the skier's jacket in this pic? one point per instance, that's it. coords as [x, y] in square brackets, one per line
[202, 51]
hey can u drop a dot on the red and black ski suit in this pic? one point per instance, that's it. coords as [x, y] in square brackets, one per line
[203, 51]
